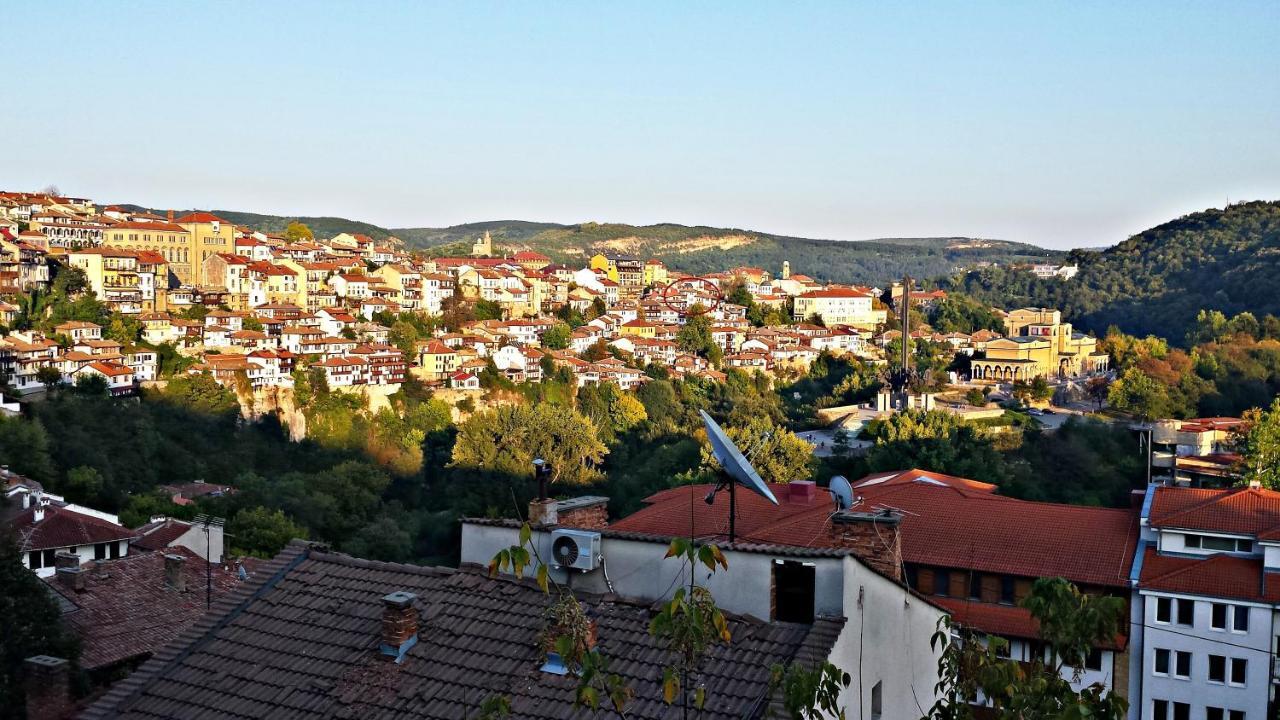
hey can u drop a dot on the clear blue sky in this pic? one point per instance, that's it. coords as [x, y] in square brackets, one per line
[1064, 124]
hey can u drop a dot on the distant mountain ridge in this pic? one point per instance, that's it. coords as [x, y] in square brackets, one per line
[694, 249]
[1158, 280]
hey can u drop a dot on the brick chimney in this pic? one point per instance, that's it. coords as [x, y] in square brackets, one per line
[173, 576]
[46, 687]
[802, 491]
[872, 536]
[399, 625]
[543, 512]
[65, 559]
[589, 512]
[71, 578]
[170, 216]
[100, 570]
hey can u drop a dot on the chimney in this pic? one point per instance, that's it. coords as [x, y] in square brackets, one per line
[1255, 484]
[542, 511]
[589, 512]
[802, 491]
[71, 578]
[173, 576]
[399, 625]
[64, 559]
[873, 537]
[46, 687]
[100, 570]
[170, 216]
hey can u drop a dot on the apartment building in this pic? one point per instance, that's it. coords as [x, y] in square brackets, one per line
[839, 306]
[1200, 452]
[1207, 595]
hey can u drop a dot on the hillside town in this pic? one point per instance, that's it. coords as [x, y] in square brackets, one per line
[169, 611]
[252, 308]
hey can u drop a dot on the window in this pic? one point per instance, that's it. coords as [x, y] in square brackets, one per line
[913, 578]
[1164, 612]
[1214, 713]
[1006, 590]
[877, 700]
[34, 560]
[1236, 715]
[1162, 662]
[1182, 665]
[100, 551]
[793, 591]
[1160, 710]
[1218, 544]
[1218, 618]
[1217, 668]
[941, 582]
[1224, 615]
[1186, 612]
[975, 586]
[1241, 621]
[1239, 670]
[114, 550]
[1093, 661]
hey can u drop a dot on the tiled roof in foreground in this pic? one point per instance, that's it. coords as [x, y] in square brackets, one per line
[301, 640]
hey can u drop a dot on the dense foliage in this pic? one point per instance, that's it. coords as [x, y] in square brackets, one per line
[1159, 280]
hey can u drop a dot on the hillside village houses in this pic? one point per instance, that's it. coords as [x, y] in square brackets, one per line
[193, 280]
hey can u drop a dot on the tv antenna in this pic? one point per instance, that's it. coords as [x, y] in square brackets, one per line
[207, 523]
[734, 469]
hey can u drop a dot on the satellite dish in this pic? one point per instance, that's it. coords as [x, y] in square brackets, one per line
[841, 492]
[732, 460]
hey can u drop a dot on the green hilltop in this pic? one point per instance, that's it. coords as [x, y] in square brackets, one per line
[693, 249]
[1158, 280]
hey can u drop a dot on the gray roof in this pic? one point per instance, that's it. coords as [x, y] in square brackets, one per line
[301, 640]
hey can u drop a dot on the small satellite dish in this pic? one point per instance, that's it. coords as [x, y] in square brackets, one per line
[841, 492]
[732, 460]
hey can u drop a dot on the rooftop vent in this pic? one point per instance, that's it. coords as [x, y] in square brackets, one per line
[399, 625]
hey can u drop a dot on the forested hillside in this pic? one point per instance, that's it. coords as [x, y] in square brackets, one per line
[701, 249]
[695, 249]
[1156, 282]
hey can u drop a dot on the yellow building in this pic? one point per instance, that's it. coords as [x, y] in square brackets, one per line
[112, 274]
[655, 273]
[639, 328]
[438, 360]
[210, 235]
[602, 262]
[170, 240]
[1038, 344]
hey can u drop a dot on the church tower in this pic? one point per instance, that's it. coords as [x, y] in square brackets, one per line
[786, 269]
[482, 247]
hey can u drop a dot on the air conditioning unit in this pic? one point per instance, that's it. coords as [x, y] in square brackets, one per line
[575, 549]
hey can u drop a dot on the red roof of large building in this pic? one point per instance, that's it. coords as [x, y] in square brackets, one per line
[1247, 511]
[948, 522]
[836, 293]
[1227, 576]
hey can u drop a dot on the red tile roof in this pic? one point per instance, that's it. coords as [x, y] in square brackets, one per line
[949, 522]
[199, 217]
[62, 527]
[836, 293]
[132, 612]
[1226, 576]
[1247, 511]
[1008, 621]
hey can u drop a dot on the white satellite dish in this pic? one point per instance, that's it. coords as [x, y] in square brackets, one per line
[841, 492]
[736, 469]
